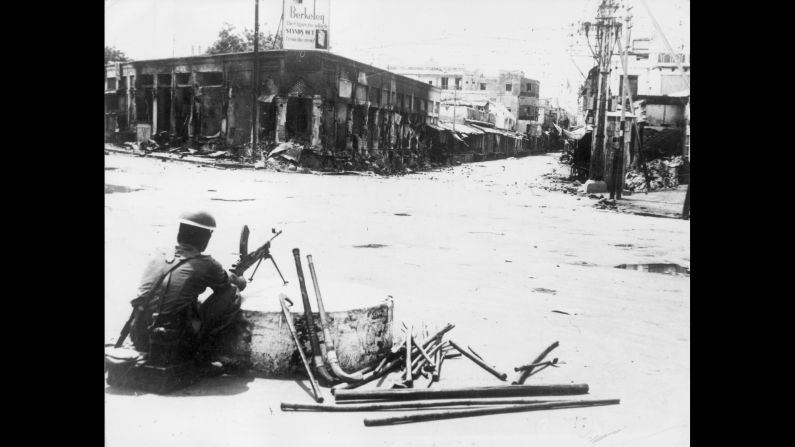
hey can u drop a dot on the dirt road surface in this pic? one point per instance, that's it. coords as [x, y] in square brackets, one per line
[513, 266]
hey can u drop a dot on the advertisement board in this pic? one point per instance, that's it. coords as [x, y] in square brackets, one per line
[305, 24]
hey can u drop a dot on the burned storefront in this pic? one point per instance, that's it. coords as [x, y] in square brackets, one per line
[331, 106]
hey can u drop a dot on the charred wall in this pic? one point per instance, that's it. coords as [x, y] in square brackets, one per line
[324, 101]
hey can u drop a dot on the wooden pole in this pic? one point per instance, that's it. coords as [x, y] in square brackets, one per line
[526, 373]
[686, 207]
[463, 393]
[424, 355]
[535, 365]
[414, 405]
[416, 371]
[438, 370]
[438, 415]
[479, 362]
[409, 378]
[255, 87]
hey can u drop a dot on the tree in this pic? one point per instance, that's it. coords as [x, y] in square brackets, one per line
[230, 41]
[112, 54]
[265, 40]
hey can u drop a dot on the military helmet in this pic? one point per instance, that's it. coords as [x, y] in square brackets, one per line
[199, 219]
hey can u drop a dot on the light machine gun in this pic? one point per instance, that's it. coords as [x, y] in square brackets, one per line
[246, 259]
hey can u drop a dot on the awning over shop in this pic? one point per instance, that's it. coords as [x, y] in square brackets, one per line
[681, 93]
[460, 128]
[503, 132]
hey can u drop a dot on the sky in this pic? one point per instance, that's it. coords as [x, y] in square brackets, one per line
[538, 37]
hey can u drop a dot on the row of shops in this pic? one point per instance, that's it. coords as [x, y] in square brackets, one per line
[330, 105]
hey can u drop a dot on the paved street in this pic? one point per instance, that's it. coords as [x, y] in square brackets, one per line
[478, 245]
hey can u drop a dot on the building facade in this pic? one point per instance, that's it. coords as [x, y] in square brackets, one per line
[330, 103]
[653, 77]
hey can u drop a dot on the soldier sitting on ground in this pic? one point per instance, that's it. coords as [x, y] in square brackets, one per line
[169, 322]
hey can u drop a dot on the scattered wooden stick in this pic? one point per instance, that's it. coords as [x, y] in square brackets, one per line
[421, 361]
[438, 371]
[526, 373]
[438, 415]
[479, 362]
[538, 370]
[534, 365]
[409, 381]
[424, 355]
[462, 393]
[390, 365]
[390, 406]
[380, 365]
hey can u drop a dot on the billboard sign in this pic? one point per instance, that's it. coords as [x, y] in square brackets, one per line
[305, 25]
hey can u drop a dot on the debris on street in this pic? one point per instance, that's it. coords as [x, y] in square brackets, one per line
[663, 174]
[412, 360]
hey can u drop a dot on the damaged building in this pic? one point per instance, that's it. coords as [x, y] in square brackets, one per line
[329, 104]
[509, 88]
[660, 92]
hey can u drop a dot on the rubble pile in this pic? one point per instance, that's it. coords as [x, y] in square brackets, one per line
[606, 204]
[562, 183]
[663, 174]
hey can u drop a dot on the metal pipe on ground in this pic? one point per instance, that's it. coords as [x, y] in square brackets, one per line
[438, 415]
[479, 362]
[462, 393]
[391, 406]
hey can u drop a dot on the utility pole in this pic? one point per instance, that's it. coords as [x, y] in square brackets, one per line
[454, 104]
[618, 165]
[607, 31]
[255, 89]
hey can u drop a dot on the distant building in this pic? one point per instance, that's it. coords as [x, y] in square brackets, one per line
[510, 89]
[659, 90]
[653, 77]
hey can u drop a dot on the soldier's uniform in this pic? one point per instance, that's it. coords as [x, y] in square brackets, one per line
[168, 309]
